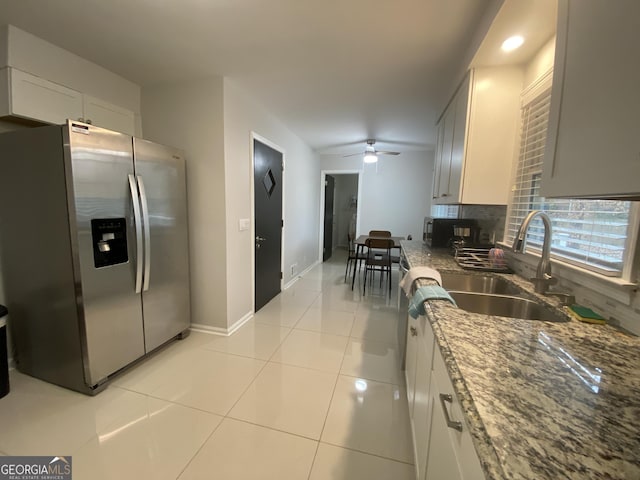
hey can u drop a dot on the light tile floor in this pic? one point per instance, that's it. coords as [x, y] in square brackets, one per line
[309, 389]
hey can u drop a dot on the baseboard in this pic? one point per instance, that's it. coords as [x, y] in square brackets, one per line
[291, 282]
[247, 316]
[306, 270]
[198, 327]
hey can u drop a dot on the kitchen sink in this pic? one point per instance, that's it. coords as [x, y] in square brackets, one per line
[505, 306]
[468, 282]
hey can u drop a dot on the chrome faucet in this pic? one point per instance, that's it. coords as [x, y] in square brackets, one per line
[543, 278]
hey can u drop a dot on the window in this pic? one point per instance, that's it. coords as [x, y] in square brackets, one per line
[445, 211]
[589, 233]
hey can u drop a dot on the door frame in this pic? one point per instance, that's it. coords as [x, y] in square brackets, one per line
[323, 176]
[275, 146]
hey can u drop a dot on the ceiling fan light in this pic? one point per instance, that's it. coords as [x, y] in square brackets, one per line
[370, 157]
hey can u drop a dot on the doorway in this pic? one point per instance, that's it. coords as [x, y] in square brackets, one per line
[329, 217]
[340, 214]
[267, 187]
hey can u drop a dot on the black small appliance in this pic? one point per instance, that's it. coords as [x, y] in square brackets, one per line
[438, 232]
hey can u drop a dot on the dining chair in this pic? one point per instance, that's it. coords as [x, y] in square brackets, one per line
[380, 233]
[378, 260]
[385, 234]
[355, 256]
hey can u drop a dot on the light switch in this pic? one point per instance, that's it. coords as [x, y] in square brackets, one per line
[244, 224]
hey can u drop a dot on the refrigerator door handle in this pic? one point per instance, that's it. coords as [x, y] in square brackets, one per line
[147, 234]
[137, 219]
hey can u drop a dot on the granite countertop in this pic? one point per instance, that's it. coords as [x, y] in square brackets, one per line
[542, 400]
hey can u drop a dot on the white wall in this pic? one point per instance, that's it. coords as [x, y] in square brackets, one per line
[396, 192]
[540, 63]
[189, 116]
[242, 116]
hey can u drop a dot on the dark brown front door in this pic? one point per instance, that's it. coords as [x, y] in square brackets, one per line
[268, 222]
[329, 188]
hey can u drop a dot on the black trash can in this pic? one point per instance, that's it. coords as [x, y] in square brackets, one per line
[4, 362]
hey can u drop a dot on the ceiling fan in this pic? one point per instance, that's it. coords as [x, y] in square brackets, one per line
[370, 153]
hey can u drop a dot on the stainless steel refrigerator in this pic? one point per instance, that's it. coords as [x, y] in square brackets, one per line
[94, 250]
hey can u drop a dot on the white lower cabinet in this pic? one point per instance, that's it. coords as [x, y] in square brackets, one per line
[422, 404]
[451, 451]
[441, 456]
[419, 358]
[411, 353]
[441, 450]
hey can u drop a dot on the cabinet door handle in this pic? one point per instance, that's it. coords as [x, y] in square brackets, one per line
[446, 397]
[414, 331]
[444, 195]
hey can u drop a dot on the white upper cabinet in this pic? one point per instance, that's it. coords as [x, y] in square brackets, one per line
[476, 138]
[30, 97]
[34, 98]
[106, 115]
[458, 140]
[593, 146]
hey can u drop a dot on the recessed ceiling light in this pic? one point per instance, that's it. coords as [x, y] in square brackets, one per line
[512, 43]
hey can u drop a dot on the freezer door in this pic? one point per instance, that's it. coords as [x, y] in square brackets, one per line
[160, 171]
[98, 163]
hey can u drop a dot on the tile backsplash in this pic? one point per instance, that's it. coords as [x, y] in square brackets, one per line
[491, 219]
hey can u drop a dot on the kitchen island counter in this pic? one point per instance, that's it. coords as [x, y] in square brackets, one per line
[542, 400]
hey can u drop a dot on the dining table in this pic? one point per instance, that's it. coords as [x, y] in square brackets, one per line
[360, 243]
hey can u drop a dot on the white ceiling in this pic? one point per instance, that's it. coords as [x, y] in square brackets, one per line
[335, 71]
[534, 20]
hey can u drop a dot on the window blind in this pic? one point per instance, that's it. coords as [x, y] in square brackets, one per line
[445, 211]
[588, 233]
